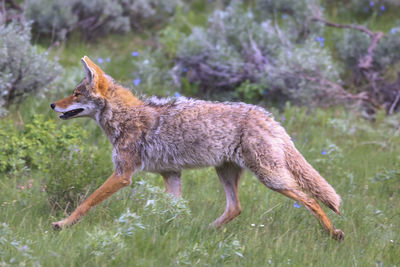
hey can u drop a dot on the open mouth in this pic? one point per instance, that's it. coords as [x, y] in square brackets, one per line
[71, 113]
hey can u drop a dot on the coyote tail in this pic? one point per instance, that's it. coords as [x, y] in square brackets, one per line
[310, 180]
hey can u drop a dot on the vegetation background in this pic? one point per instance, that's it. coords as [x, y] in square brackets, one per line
[328, 70]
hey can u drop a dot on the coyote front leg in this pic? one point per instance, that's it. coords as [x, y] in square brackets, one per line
[111, 185]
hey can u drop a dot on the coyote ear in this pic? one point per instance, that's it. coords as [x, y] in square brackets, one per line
[95, 75]
[89, 71]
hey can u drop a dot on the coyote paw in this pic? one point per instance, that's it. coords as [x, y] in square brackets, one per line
[338, 235]
[57, 225]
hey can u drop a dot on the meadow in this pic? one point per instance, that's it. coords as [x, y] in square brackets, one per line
[142, 226]
[48, 166]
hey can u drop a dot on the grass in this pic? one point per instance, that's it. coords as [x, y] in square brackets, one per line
[142, 226]
[361, 162]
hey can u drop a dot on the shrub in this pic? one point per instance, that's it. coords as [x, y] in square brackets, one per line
[24, 69]
[147, 13]
[58, 18]
[157, 203]
[152, 75]
[96, 17]
[35, 145]
[371, 6]
[58, 152]
[101, 17]
[381, 78]
[353, 45]
[52, 18]
[254, 59]
[300, 10]
[295, 14]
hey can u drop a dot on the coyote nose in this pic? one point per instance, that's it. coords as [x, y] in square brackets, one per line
[52, 105]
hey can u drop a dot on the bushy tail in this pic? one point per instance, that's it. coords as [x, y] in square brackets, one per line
[310, 180]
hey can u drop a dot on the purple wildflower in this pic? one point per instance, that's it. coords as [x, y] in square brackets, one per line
[321, 41]
[100, 60]
[297, 206]
[177, 94]
[135, 54]
[137, 81]
[323, 152]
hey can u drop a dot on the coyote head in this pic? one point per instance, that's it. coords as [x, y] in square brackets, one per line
[88, 97]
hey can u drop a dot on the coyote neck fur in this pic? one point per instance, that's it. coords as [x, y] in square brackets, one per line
[121, 115]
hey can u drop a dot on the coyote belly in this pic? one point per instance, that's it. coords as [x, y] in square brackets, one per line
[167, 136]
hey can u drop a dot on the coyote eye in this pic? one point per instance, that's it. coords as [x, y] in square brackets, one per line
[77, 94]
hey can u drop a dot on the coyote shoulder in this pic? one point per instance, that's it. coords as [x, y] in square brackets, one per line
[167, 136]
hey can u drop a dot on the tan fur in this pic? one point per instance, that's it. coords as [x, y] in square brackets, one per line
[168, 135]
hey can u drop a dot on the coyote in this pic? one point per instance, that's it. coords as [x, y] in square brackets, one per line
[168, 135]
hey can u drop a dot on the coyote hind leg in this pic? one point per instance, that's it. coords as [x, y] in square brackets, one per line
[313, 206]
[229, 175]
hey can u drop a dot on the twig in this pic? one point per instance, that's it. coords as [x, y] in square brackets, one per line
[345, 26]
[395, 102]
[366, 61]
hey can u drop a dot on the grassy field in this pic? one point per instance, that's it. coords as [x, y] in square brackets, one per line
[142, 226]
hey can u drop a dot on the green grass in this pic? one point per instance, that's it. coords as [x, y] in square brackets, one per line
[361, 163]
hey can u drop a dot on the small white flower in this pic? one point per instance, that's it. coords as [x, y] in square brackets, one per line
[252, 224]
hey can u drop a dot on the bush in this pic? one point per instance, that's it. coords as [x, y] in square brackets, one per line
[96, 17]
[24, 69]
[101, 17]
[58, 152]
[148, 13]
[51, 18]
[254, 59]
[295, 14]
[58, 18]
[372, 6]
[35, 146]
[152, 75]
[353, 45]
[381, 79]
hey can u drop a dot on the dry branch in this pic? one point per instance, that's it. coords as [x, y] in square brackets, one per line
[366, 61]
